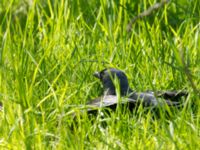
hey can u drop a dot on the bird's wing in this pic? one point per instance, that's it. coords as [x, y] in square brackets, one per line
[108, 100]
[169, 94]
[172, 95]
[111, 101]
[148, 99]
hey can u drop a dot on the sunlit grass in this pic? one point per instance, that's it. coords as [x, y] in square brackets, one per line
[50, 49]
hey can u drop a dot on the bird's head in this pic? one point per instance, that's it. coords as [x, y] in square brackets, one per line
[108, 78]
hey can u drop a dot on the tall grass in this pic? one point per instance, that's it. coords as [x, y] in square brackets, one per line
[50, 49]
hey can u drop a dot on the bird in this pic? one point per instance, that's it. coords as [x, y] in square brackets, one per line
[117, 90]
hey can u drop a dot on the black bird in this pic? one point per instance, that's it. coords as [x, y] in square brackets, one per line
[109, 78]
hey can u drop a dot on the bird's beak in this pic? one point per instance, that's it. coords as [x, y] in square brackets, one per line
[97, 75]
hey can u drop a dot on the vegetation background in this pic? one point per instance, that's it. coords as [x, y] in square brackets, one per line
[50, 49]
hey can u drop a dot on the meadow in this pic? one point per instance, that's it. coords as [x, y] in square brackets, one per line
[49, 51]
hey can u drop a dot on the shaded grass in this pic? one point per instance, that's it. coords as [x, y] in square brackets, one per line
[49, 50]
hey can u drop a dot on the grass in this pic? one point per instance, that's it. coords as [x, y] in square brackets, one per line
[50, 49]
